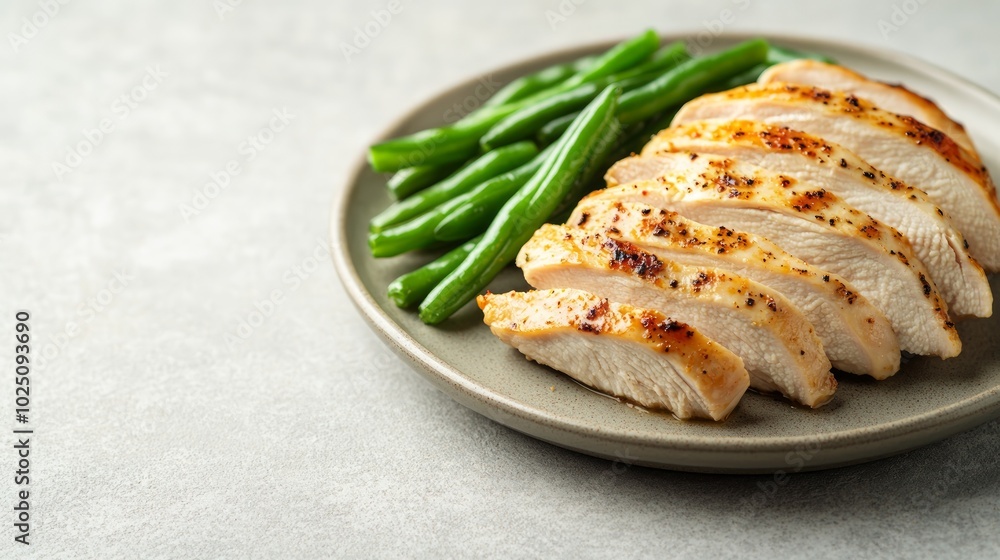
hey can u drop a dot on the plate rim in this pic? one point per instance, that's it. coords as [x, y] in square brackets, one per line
[943, 422]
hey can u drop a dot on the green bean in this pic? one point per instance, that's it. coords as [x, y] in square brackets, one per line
[775, 55]
[474, 216]
[592, 177]
[743, 78]
[619, 58]
[413, 179]
[521, 124]
[554, 129]
[649, 129]
[459, 141]
[584, 63]
[667, 57]
[529, 120]
[526, 210]
[411, 288]
[411, 235]
[489, 165]
[689, 80]
[434, 146]
[526, 121]
[419, 233]
[533, 83]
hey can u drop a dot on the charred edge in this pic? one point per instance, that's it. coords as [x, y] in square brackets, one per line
[925, 284]
[870, 231]
[920, 133]
[810, 200]
[626, 256]
[843, 292]
[701, 280]
[785, 139]
[598, 311]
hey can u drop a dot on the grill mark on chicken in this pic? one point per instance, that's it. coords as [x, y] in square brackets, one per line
[742, 187]
[844, 292]
[777, 139]
[871, 232]
[768, 190]
[641, 228]
[627, 257]
[893, 98]
[913, 129]
[699, 377]
[659, 328]
[810, 200]
[927, 286]
[964, 284]
[622, 255]
[585, 262]
[701, 280]
[598, 310]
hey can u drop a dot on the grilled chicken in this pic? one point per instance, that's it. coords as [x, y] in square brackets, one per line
[774, 230]
[901, 146]
[778, 345]
[637, 354]
[826, 165]
[888, 97]
[813, 225]
[856, 336]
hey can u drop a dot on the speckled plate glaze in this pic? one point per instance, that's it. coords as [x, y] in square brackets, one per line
[928, 400]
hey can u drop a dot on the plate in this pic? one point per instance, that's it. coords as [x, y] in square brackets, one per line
[929, 399]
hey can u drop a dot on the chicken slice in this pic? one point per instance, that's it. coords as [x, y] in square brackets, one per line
[637, 354]
[813, 225]
[900, 146]
[888, 97]
[826, 165]
[778, 345]
[856, 336]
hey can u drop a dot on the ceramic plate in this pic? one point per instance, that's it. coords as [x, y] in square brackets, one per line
[929, 399]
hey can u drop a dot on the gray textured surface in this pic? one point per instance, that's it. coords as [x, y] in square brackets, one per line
[164, 433]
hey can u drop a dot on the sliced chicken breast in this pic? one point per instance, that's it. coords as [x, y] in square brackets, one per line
[637, 354]
[888, 97]
[778, 345]
[856, 336]
[813, 225]
[825, 165]
[901, 146]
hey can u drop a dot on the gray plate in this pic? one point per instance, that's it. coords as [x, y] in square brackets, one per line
[928, 400]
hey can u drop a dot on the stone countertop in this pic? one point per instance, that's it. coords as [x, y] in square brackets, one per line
[169, 169]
